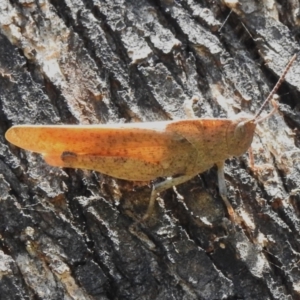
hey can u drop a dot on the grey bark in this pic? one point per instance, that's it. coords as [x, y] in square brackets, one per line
[67, 234]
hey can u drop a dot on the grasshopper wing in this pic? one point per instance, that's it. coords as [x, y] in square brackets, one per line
[135, 151]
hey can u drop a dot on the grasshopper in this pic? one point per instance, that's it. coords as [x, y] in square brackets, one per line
[178, 150]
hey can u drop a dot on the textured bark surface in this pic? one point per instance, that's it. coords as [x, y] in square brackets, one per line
[67, 234]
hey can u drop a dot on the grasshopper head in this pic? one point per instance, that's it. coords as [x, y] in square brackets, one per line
[239, 135]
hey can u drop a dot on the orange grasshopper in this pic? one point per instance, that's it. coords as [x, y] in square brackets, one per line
[145, 151]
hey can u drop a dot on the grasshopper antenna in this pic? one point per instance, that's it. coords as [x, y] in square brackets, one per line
[276, 87]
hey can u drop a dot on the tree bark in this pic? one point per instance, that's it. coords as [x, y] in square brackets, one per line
[68, 234]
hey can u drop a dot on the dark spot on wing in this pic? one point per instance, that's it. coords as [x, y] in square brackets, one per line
[68, 154]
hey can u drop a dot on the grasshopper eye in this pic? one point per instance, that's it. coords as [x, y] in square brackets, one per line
[239, 130]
